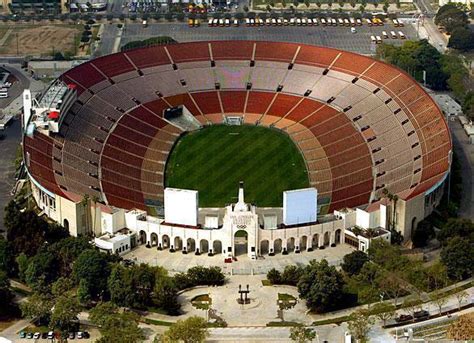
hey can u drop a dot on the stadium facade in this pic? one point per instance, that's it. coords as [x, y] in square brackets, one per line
[96, 143]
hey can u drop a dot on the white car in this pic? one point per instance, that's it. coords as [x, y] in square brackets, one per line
[50, 335]
[353, 30]
[37, 335]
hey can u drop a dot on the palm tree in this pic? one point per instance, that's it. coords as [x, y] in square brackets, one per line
[95, 199]
[393, 200]
[85, 204]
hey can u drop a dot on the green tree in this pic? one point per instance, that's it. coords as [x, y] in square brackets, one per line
[92, 266]
[119, 285]
[359, 325]
[461, 297]
[98, 315]
[191, 330]
[42, 271]
[458, 257]
[7, 259]
[84, 291]
[67, 251]
[6, 296]
[37, 306]
[274, 276]
[439, 299]
[302, 334]
[115, 326]
[462, 38]
[468, 104]
[436, 275]
[61, 286]
[391, 284]
[353, 262]
[384, 311]
[422, 233]
[456, 227]
[321, 286]
[450, 16]
[166, 296]
[64, 314]
[22, 263]
[291, 275]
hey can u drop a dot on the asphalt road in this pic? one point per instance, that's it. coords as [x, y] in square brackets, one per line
[465, 153]
[8, 148]
[336, 37]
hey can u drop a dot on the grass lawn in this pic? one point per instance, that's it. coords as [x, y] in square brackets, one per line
[156, 322]
[202, 301]
[213, 160]
[286, 297]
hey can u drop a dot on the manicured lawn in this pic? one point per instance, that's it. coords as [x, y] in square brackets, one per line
[286, 297]
[202, 301]
[213, 160]
[157, 322]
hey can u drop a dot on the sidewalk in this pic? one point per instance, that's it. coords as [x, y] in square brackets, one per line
[427, 305]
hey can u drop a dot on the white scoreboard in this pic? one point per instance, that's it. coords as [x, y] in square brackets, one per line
[181, 206]
[300, 206]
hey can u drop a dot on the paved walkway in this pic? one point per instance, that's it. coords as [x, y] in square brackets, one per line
[263, 305]
[177, 262]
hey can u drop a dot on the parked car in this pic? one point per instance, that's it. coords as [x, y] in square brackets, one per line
[71, 335]
[404, 318]
[29, 335]
[80, 335]
[44, 335]
[22, 334]
[420, 315]
[37, 335]
[86, 335]
[50, 335]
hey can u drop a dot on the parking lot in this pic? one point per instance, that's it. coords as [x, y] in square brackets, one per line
[330, 36]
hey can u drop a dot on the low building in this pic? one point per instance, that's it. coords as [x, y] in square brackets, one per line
[50, 6]
[118, 243]
[50, 68]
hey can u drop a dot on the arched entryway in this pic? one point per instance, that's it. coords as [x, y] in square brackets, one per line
[165, 241]
[178, 243]
[264, 247]
[277, 246]
[204, 246]
[217, 247]
[290, 244]
[66, 224]
[337, 236]
[190, 245]
[303, 243]
[326, 238]
[154, 239]
[315, 241]
[142, 237]
[240, 243]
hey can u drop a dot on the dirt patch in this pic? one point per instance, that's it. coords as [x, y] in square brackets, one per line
[41, 41]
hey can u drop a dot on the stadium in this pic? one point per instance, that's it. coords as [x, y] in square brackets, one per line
[151, 145]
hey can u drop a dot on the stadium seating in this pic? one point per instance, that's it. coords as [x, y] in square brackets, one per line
[351, 117]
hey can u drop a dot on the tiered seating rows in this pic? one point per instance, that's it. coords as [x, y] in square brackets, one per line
[335, 138]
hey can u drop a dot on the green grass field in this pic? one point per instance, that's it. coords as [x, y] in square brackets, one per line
[213, 161]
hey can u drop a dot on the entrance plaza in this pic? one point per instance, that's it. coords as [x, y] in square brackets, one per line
[262, 309]
[242, 264]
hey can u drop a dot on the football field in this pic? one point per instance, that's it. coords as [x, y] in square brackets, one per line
[213, 160]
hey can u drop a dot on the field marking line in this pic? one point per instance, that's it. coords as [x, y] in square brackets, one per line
[5, 36]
